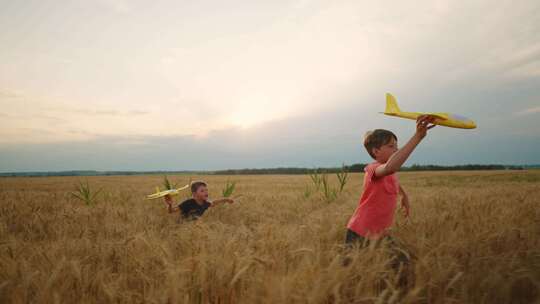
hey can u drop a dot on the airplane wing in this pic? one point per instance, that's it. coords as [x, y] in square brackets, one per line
[441, 116]
[160, 194]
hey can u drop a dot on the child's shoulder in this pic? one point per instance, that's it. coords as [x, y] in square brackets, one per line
[370, 173]
[371, 166]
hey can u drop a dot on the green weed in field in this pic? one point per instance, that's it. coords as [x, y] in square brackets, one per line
[85, 193]
[229, 189]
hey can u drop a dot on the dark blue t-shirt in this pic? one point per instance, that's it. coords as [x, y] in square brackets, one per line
[191, 210]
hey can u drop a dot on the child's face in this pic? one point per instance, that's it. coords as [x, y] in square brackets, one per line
[383, 153]
[201, 193]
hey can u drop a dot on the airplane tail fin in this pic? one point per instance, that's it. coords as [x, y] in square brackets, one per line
[391, 105]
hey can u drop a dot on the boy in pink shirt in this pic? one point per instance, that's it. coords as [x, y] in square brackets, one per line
[375, 212]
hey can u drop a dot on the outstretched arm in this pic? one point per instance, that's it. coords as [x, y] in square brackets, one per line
[169, 202]
[397, 159]
[221, 201]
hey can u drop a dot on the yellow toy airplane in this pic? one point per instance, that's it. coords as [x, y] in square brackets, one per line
[159, 193]
[442, 119]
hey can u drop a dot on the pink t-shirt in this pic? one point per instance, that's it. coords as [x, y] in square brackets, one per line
[375, 211]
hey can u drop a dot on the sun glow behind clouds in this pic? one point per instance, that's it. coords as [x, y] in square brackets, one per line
[248, 117]
[194, 77]
[175, 69]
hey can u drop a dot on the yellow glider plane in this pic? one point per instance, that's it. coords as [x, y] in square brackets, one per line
[160, 193]
[442, 119]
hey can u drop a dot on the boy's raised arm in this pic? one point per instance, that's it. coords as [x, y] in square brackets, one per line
[398, 159]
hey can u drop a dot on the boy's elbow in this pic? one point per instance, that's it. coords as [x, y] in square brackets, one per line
[391, 171]
[391, 168]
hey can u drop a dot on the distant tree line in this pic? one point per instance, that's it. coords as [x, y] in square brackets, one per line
[360, 168]
[281, 170]
[416, 167]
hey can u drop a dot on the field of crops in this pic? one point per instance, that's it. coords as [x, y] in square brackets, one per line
[474, 237]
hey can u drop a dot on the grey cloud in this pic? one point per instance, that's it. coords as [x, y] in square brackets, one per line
[323, 139]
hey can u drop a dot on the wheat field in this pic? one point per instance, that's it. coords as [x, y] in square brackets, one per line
[474, 237]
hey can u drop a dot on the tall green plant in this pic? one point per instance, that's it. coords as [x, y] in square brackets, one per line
[343, 177]
[167, 184]
[329, 193]
[307, 191]
[229, 189]
[85, 193]
[322, 184]
[316, 179]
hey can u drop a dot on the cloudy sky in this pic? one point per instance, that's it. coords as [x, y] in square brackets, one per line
[172, 85]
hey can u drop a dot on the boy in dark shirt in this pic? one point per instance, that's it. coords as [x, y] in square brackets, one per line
[195, 207]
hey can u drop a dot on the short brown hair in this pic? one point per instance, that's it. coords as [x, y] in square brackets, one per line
[196, 185]
[376, 139]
